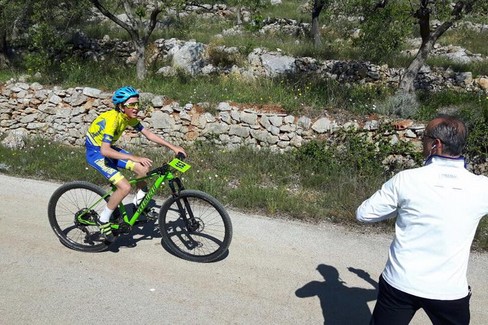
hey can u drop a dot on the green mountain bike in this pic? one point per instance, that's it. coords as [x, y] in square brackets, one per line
[194, 225]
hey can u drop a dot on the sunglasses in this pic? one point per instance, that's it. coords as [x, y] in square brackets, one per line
[132, 106]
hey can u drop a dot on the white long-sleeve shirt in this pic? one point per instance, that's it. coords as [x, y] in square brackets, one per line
[438, 208]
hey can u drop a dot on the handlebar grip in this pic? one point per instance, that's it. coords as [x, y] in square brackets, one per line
[180, 155]
[160, 170]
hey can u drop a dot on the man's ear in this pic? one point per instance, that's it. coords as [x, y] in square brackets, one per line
[436, 145]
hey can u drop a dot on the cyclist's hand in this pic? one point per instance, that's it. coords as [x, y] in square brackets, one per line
[180, 152]
[146, 162]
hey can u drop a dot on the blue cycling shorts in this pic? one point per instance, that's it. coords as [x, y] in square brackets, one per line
[108, 167]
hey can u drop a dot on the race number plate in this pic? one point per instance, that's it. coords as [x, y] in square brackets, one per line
[179, 165]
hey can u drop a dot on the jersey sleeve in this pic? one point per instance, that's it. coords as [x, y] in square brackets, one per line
[136, 124]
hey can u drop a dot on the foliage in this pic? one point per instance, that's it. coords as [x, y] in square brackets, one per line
[359, 152]
[471, 108]
[49, 26]
[477, 68]
[471, 40]
[403, 105]
[477, 123]
[383, 31]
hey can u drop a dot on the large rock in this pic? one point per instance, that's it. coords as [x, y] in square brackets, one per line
[483, 82]
[189, 57]
[15, 139]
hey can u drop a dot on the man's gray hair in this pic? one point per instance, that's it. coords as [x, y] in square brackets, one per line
[452, 132]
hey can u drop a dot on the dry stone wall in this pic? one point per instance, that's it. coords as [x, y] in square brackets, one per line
[63, 115]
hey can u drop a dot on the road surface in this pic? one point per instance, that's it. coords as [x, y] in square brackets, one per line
[276, 272]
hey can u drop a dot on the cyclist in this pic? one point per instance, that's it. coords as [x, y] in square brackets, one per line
[106, 158]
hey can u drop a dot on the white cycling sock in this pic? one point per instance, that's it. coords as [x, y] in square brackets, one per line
[105, 215]
[138, 197]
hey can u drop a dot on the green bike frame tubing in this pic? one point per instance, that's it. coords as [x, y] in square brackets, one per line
[90, 208]
[152, 191]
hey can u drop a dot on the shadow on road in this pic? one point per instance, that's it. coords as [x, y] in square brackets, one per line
[144, 229]
[341, 304]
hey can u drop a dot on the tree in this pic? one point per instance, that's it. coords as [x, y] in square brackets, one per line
[447, 12]
[318, 6]
[40, 29]
[11, 13]
[142, 17]
[383, 31]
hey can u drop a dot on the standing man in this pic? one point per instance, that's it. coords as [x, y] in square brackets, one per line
[438, 208]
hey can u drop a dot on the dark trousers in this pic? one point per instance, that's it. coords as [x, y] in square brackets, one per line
[397, 307]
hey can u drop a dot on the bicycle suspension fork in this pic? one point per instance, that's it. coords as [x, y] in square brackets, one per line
[184, 208]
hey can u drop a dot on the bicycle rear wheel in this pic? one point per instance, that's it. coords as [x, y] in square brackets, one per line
[195, 226]
[72, 211]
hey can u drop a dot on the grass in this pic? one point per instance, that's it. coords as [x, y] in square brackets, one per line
[316, 183]
[468, 39]
[291, 185]
[296, 95]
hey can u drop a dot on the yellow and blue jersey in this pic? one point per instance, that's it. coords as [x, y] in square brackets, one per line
[108, 127]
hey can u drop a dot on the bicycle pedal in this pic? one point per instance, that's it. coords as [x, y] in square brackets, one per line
[151, 215]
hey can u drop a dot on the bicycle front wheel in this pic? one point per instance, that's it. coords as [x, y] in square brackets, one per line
[195, 226]
[72, 211]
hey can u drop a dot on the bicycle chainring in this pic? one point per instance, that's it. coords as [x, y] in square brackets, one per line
[86, 218]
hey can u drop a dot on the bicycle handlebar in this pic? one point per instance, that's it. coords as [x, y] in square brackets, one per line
[180, 156]
[164, 168]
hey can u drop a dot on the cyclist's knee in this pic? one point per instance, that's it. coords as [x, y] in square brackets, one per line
[141, 170]
[123, 186]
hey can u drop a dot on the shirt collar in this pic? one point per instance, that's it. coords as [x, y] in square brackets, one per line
[122, 115]
[446, 161]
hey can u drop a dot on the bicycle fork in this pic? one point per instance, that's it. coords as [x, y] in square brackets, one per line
[184, 208]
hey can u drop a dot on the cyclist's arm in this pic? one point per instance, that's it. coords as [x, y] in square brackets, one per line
[107, 151]
[157, 139]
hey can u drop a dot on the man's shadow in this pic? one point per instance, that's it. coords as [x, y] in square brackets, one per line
[341, 305]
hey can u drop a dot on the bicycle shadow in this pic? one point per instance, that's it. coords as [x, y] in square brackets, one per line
[144, 229]
[341, 304]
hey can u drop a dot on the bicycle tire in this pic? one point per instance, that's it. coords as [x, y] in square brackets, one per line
[209, 241]
[66, 203]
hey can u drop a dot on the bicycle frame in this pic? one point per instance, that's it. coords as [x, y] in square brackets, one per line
[163, 174]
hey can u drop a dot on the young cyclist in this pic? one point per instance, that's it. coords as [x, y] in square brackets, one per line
[106, 158]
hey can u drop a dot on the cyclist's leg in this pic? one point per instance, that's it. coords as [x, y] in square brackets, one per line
[108, 168]
[139, 170]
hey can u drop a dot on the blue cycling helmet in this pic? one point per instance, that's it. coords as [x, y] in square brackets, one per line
[124, 93]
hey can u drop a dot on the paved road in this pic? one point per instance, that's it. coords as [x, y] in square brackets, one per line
[276, 272]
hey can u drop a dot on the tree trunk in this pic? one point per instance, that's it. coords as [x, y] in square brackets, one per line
[141, 61]
[408, 78]
[318, 5]
[429, 38]
[239, 15]
[315, 32]
[139, 34]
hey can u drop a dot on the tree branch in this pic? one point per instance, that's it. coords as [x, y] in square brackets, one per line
[114, 18]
